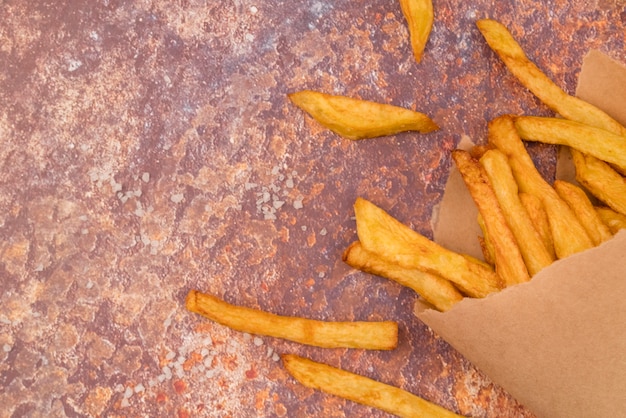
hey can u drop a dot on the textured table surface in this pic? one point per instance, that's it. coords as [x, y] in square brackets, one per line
[148, 148]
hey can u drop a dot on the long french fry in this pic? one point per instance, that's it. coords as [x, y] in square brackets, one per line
[539, 217]
[507, 255]
[589, 140]
[536, 255]
[601, 180]
[434, 289]
[419, 15]
[360, 119]
[577, 199]
[567, 232]
[359, 334]
[384, 235]
[361, 389]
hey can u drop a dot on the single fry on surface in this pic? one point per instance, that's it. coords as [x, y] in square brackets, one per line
[434, 289]
[568, 234]
[382, 234]
[506, 253]
[360, 119]
[361, 389]
[367, 335]
[419, 15]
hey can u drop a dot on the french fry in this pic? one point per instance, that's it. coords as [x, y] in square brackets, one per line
[434, 289]
[601, 181]
[382, 234]
[539, 218]
[614, 220]
[359, 334]
[486, 245]
[359, 119]
[419, 15]
[536, 255]
[568, 234]
[589, 140]
[578, 200]
[361, 389]
[508, 258]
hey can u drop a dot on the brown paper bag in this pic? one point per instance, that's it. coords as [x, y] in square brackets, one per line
[558, 342]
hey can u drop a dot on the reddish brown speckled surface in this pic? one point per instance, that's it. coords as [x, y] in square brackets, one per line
[148, 148]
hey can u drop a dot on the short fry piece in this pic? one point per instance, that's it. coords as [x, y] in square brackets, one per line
[360, 119]
[536, 255]
[419, 15]
[434, 289]
[382, 234]
[577, 199]
[614, 220]
[507, 255]
[539, 218]
[367, 335]
[597, 142]
[568, 234]
[361, 389]
[601, 180]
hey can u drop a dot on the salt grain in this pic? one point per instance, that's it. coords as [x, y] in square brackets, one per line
[258, 341]
[177, 198]
[145, 177]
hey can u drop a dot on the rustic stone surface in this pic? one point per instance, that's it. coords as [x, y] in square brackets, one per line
[148, 148]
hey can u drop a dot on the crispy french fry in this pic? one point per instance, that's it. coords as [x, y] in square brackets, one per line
[434, 289]
[570, 107]
[614, 220]
[359, 334]
[360, 119]
[539, 218]
[507, 255]
[536, 255]
[596, 142]
[578, 200]
[419, 15]
[486, 245]
[601, 181]
[568, 234]
[382, 234]
[361, 389]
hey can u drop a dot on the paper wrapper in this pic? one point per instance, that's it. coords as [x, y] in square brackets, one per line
[558, 342]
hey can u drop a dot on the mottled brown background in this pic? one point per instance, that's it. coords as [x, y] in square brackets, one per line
[148, 148]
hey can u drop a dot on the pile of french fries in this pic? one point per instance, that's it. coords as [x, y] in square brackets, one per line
[526, 222]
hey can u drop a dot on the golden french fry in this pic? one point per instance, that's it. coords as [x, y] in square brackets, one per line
[382, 234]
[539, 218]
[601, 181]
[360, 119]
[434, 289]
[536, 255]
[568, 234]
[578, 200]
[361, 389]
[596, 142]
[381, 335]
[614, 220]
[507, 255]
[419, 15]
[486, 245]
[570, 107]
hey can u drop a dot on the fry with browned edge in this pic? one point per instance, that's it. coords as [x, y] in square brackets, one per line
[361, 389]
[601, 180]
[419, 15]
[381, 335]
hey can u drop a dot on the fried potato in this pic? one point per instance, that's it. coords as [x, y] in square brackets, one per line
[539, 218]
[367, 335]
[570, 107]
[601, 181]
[508, 258]
[532, 247]
[434, 289]
[360, 119]
[486, 245]
[419, 15]
[596, 142]
[578, 200]
[614, 220]
[361, 389]
[567, 232]
[382, 234]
